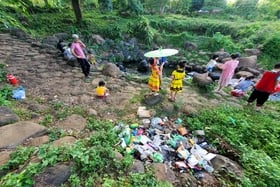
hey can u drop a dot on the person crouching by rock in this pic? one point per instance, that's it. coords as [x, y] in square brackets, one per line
[243, 86]
[101, 91]
[268, 84]
[178, 76]
[77, 50]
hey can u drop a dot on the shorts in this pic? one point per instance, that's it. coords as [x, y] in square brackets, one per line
[260, 96]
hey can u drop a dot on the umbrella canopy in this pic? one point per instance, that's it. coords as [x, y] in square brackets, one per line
[161, 53]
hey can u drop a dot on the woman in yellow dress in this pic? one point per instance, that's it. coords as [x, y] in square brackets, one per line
[178, 76]
[154, 80]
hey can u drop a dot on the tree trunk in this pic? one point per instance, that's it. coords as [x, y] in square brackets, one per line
[77, 10]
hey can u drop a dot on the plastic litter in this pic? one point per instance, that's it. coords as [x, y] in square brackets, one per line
[19, 93]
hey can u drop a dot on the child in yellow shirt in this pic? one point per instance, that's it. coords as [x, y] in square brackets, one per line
[101, 91]
[91, 59]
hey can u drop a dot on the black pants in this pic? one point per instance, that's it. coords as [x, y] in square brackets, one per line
[261, 97]
[84, 65]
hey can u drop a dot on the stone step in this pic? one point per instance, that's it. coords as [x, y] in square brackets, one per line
[14, 134]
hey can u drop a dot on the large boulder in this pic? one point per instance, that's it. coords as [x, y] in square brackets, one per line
[62, 35]
[215, 75]
[50, 40]
[7, 116]
[164, 173]
[222, 54]
[201, 80]
[250, 61]
[143, 66]
[111, 70]
[254, 71]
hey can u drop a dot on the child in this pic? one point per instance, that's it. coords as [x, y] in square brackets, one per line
[154, 79]
[178, 76]
[101, 91]
[242, 87]
[91, 59]
[68, 54]
[211, 64]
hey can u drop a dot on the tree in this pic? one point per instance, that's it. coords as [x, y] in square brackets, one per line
[106, 5]
[156, 5]
[180, 6]
[77, 10]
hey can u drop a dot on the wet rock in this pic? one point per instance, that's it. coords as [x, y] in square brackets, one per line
[7, 116]
[201, 80]
[137, 167]
[14, 134]
[250, 61]
[67, 140]
[111, 70]
[53, 176]
[164, 173]
[224, 164]
[74, 122]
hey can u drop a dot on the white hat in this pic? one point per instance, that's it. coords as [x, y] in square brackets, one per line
[75, 36]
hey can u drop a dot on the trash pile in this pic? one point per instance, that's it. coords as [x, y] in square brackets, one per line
[166, 141]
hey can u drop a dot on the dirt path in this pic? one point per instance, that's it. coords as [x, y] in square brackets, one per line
[47, 77]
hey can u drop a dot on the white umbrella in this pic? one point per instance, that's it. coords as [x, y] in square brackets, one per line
[161, 53]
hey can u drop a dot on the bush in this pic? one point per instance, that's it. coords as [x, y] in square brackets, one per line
[272, 47]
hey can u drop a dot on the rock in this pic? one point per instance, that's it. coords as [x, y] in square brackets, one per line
[168, 107]
[187, 178]
[190, 46]
[215, 75]
[209, 180]
[164, 173]
[37, 107]
[118, 156]
[224, 164]
[93, 112]
[254, 71]
[4, 157]
[251, 52]
[201, 80]
[143, 66]
[74, 122]
[137, 167]
[198, 69]
[250, 61]
[243, 74]
[73, 62]
[19, 33]
[62, 35]
[152, 99]
[142, 112]
[50, 40]
[14, 134]
[38, 141]
[188, 110]
[98, 39]
[111, 70]
[53, 176]
[66, 140]
[7, 116]
[222, 54]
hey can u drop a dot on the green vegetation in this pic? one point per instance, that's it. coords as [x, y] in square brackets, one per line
[247, 137]
[252, 139]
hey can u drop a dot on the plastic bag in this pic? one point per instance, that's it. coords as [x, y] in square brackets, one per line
[19, 93]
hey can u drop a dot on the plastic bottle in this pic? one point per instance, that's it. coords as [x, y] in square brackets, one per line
[207, 167]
